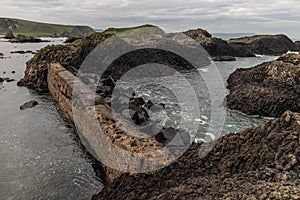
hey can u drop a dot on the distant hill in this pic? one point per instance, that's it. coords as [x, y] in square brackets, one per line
[37, 29]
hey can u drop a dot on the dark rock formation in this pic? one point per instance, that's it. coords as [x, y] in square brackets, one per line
[268, 89]
[260, 162]
[1, 80]
[22, 52]
[267, 44]
[1, 55]
[224, 58]
[26, 39]
[70, 56]
[28, 105]
[216, 46]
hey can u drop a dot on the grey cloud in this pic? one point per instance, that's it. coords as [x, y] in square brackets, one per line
[215, 15]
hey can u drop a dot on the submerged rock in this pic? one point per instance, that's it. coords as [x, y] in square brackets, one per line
[28, 105]
[216, 46]
[267, 44]
[268, 89]
[260, 162]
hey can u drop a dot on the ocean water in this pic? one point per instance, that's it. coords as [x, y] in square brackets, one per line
[40, 154]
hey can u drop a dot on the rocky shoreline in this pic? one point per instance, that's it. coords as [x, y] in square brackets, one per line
[260, 162]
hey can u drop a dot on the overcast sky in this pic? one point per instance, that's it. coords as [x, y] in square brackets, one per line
[253, 16]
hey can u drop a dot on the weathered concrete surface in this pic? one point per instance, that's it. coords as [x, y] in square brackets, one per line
[116, 143]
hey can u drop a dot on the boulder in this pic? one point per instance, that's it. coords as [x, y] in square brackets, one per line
[260, 162]
[268, 89]
[267, 44]
[1, 80]
[216, 46]
[28, 105]
[224, 58]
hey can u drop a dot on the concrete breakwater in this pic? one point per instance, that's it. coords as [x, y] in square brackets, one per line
[100, 132]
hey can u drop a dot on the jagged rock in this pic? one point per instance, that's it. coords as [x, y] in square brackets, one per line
[260, 162]
[216, 46]
[268, 89]
[224, 58]
[267, 44]
[28, 105]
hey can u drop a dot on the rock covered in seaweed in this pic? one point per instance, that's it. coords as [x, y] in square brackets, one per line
[268, 89]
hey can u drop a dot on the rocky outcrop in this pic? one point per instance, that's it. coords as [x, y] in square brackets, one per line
[267, 44]
[260, 162]
[268, 89]
[26, 39]
[71, 56]
[216, 46]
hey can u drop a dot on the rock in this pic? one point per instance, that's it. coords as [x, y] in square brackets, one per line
[13, 72]
[224, 58]
[21, 52]
[216, 46]
[267, 44]
[10, 80]
[166, 135]
[1, 80]
[72, 39]
[260, 162]
[268, 89]
[28, 105]
[137, 102]
[26, 39]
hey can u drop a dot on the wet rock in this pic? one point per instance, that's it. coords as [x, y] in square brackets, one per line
[28, 105]
[22, 52]
[140, 116]
[267, 44]
[224, 58]
[216, 46]
[166, 135]
[260, 162]
[13, 72]
[10, 80]
[149, 104]
[1, 80]
[137, 102]
[268, 89]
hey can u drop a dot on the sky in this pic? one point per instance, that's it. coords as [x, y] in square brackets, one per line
[235, 16]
